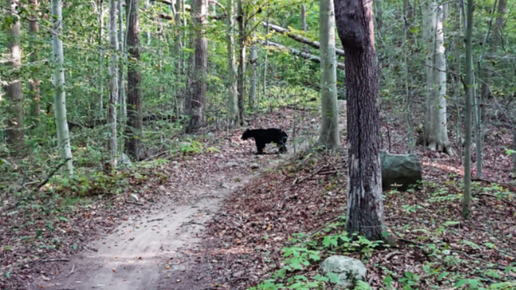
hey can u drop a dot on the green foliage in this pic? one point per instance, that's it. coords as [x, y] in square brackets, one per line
[98, 183]
[189, 146]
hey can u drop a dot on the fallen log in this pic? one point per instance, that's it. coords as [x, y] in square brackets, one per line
[298, 52]
[299, 38]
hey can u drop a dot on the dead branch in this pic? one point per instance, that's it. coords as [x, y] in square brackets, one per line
[51, 174]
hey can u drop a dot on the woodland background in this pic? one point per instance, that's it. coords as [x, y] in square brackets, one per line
[85, 81]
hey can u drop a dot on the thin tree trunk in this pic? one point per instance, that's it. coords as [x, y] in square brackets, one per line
[265, 63]
[329, 135]
[133, 142]
[254, 77]
[178, 46]
[113, 83]
[34, 57]
[241, 61]
[101, 60]
[365, 206]
[63, 135]
[197, 100]
[121, 83]
[147, 6]
[232, 68]
[466, 203]
[303, 24]
[14, 96]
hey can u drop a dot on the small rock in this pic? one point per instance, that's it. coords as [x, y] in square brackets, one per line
[124, 161]
[348, 269]
[231, 164]
[134, 197]
[255, 165]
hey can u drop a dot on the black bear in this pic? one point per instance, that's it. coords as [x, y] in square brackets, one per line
[264, 136]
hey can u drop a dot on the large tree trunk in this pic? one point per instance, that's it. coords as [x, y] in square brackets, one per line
[197, 100]
[113, 83]
[63, 135]
[329, 135]
[134, 94]
[34, 57]
[466, 204]
[356, 31]
[435, 134]
[232, 68]
[241, 61]
[14, 96]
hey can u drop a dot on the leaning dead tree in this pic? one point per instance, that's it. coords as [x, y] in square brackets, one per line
[297, 52]
[299, 38]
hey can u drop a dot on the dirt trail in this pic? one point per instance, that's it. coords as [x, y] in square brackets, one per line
[144, 249]
[154, 249]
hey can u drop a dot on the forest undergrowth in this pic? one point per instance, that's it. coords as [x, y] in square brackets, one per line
[274, 233]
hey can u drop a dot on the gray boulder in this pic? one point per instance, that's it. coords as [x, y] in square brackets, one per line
[402, 170]
[348, 270]
[124, 161]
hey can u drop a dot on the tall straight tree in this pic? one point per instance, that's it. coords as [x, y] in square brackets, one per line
[435, 134]
[356, 31]
[63, 135]
[197, 100]
[133, 141]
[178, 46]
[232, 68]
[101, 59]
[329, 135]
[466, 202]
[113, 82]
[14, 96]
[121, 48]
[241, 60]
[34, 57]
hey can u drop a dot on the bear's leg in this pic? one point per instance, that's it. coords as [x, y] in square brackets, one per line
[259, 147]
[282, 147]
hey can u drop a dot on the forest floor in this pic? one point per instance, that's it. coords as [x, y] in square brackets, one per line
[220, 219]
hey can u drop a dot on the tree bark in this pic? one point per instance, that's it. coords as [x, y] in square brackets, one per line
[178, 46]
[101, 60]
[329, 135]
[232, 67]
[34, 57]
[435, 134]
[466, 202]
[14, 96]
[241, 61]
[133, 141]
[63, 134]
[356, 31]
[197, 100]
[253, 59]
[121, 83]
[113, 83]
